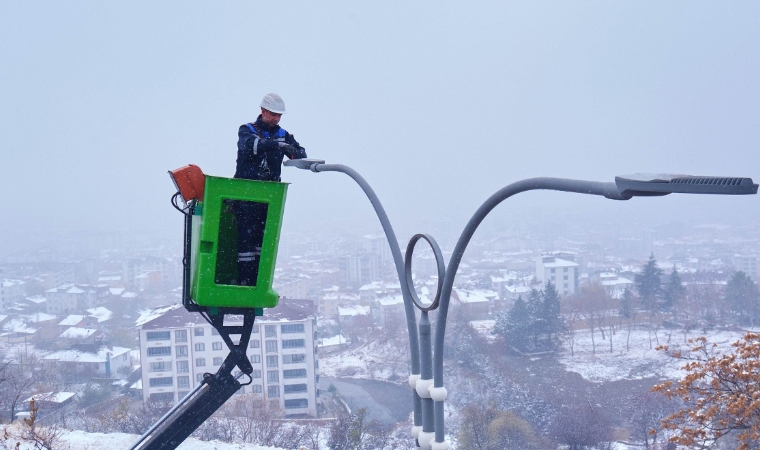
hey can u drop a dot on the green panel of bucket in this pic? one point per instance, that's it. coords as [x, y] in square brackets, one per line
[215, 266]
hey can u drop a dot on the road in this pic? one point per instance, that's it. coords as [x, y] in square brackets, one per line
[387, 403]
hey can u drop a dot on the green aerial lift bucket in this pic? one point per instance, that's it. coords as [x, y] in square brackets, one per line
[214, 251]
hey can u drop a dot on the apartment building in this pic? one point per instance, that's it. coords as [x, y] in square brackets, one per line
[177, 348]
[11, 291]
[69, 298]
[358, 269]
[560, 270]
[747, 264]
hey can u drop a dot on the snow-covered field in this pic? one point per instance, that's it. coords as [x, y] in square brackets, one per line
[639, 361]
[79, 440]
[384, 362]
[375, 360]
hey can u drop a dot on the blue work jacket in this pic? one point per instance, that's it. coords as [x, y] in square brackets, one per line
[259, 153]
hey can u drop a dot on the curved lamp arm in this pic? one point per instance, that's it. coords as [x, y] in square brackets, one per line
[608, 190]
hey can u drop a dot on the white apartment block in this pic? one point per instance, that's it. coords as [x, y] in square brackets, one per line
[561, 272]
[747, 264]
[11, 291]
[177, 348]
[378, 244]
[69, 298]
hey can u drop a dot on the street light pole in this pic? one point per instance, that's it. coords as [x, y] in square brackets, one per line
[411, 319]
[427, 391]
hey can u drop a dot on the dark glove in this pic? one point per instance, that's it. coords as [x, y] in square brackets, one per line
[288, 149]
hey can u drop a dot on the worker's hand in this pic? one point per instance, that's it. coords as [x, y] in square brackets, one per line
[287, 148]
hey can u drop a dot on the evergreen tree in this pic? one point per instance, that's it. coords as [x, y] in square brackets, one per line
[514, 325]
[550, 313]
[626, 304]
[743, 297]
[649, 285]
[463, 343]
[674, 291]
[536, 323]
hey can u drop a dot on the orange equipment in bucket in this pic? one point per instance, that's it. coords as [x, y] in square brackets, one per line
[189, 181]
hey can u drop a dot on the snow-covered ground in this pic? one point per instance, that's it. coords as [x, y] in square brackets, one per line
[373, 360]
[79, 440]
[639, 361]
[382, 361]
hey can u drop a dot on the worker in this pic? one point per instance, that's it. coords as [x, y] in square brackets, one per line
[261, 148]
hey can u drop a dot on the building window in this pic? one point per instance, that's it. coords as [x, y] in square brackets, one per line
[181, 351]
[273, 391]
[270, 331]
[255, 358]
[216, 346]
[198, 377]
[159, 351]
[183, 367]
[273, 376]
[158, 335]
[158, 366]
[162, 381]
[256, 389]
[162, 397]
[293, 343]
[199, 347]
[272, 361]
[292, 328]
[565, 269]
[214, 332]
[180, 336]
[255, 329]
[293, 388]
[565, 285]
[183, 382]
[296, 403]
[552, 270]
[198, 331]
[200, 362]
[293, 359]
[271, 346]
[218, 361]
[182, 394]
[256, 374]
[254, 343]
[294, 373]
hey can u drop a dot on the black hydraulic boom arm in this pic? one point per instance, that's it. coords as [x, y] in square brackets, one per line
[200, 403]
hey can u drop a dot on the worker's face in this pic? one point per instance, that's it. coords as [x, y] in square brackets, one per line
[270, 118]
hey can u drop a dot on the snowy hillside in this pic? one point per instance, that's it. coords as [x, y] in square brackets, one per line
[636, 360]
[79, 440]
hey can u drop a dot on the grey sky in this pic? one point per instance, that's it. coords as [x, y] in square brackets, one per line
[438, 104]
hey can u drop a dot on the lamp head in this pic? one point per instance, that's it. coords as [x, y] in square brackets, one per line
[654, 184]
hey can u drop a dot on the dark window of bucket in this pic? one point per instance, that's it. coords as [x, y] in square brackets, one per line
[241, 232]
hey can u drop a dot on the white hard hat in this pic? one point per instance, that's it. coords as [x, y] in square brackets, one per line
[273, 102]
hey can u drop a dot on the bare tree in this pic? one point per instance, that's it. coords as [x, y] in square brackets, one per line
[593, 303]
[16, 387]
[582, 427]
[352, 431]
[646, 410]
[489, 428]
[261, 422]
[43, 438]
[313, 432]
